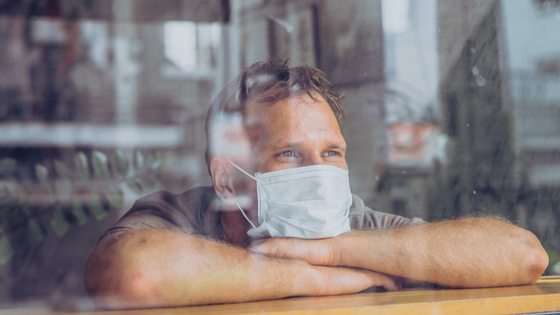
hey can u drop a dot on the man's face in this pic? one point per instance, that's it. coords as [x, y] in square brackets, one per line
[294, 132]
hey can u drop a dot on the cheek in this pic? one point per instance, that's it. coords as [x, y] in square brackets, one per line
[340, 164]
[244, 185]
[338, 161]
[343, 164]
[246, 191]
[270, 165]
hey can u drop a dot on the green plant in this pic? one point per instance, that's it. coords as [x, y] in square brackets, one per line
[73, 196]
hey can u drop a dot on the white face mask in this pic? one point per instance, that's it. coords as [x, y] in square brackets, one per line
[304, 202]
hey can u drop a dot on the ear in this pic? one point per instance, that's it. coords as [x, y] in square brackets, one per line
[223, 176]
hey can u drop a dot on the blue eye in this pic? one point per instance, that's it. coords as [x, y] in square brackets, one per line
[331, 153]
[287, 154]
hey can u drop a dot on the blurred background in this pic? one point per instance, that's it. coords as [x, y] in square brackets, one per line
[452, 109]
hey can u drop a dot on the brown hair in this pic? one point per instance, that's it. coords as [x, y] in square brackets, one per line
[278, 76]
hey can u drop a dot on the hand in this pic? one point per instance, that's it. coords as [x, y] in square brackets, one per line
[344, 280]
[316, 252]
[320, 253]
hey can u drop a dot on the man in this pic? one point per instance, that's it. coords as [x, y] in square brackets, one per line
[194, 248]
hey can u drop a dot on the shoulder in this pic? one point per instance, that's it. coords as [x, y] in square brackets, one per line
[187, 212]
[363, 217]
[162, 202]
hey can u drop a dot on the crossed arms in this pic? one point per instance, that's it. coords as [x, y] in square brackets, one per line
[161, 268]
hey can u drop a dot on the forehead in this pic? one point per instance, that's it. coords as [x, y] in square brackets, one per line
[294, 118]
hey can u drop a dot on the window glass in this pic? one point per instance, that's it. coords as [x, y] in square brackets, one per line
[452, 109]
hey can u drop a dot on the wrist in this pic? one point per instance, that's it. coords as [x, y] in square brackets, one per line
[304, 279]
[339, 248]
[276, 278]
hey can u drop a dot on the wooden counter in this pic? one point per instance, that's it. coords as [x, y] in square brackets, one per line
[544, 296]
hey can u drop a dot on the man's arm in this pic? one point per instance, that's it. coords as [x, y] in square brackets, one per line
[470, 252]
[161, 268]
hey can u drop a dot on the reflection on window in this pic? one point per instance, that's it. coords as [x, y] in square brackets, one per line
[395, 15]
[191, 46]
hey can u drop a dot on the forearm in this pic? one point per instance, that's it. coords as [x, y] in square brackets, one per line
[473, 252]
[155, 268]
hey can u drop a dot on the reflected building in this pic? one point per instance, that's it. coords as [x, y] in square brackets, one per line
[534, 87]
[499, 96]
[410, 92]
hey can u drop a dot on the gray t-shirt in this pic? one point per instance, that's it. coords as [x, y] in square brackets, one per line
[194, 212]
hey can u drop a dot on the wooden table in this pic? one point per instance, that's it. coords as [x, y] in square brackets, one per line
[544, 296]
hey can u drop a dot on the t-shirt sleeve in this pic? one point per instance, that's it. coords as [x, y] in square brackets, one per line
[364, 218]
[166, 211]
[380, 220]
[143, 220]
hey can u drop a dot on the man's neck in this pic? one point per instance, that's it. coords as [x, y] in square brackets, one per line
[235, 228]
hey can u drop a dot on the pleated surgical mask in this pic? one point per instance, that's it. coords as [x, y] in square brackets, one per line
[305, 202]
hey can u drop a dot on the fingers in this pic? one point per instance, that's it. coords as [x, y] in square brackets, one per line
[343, 280]
[328, 280]
[314, 252]
[319, 253]
[262, 246]
[383, 280]
[278, 247]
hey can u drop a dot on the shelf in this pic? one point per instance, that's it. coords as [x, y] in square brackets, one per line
[71, 134]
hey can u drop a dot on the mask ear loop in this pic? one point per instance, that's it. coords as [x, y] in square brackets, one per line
[242, 170]
[243, 212]
[241, 209]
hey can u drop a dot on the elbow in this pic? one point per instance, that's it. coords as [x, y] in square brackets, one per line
[132, 290]
[538, 264]
[114, 285]
[536, 259]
